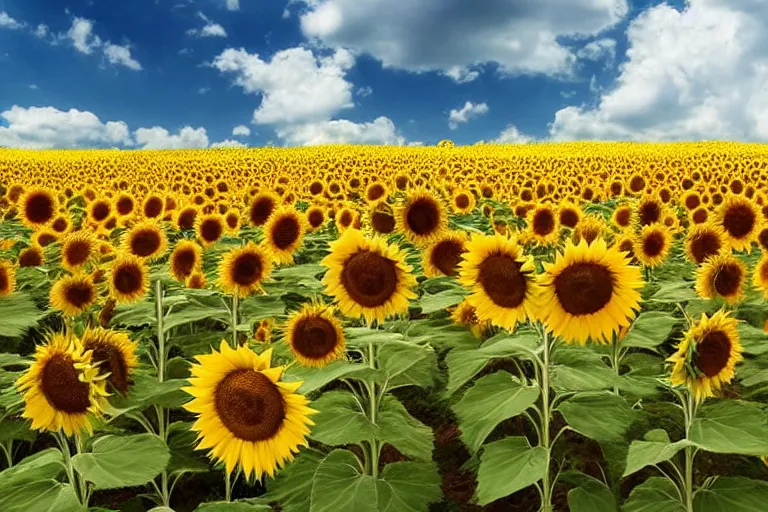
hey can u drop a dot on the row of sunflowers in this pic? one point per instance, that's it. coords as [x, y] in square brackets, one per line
[543, 327]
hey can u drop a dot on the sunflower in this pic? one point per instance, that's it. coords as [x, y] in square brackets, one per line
[422, 218]
[649, 210]
[653, 244]
[382, 219]
[625, 242]
[114, 355]
[315, 217]
[263, 333]
[501, 280]
[245, 414]
[465, 314]
[128, 278]
[153, 206]
[542, 225]
[589, 229]
[706, 357]
[232, 222]
[37, 207]
[463, 201]
[73, 295]
[283, 234]
[345, 218]
[147, 240]
[443, 256]
[242, 270]
[368, 277]
[262, 206]
[186, 257]
[124, 204]
[590, 292]
[760, 275]
[32, 256]
[186, 217]
[315, 335]
[61, 224]
[569, 215]
[209, 228]
[703, 241]
[376, 192]
[99, 210]
[44, 237]
[622, 216]
[61, 389]
[721, 276]
[7, 278]
[196, 280]
[740, 220]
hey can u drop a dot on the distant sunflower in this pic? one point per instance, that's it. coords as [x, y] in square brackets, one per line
[463, 201]
[242, 270]
[590, 292]
[146, 240]
[196, 280]
[703, 241]
[114, 355]
[73, 295]
[653, 244]
[422, 218]
[740, 220]
[382, 219]
[186, 217]
[760, 276]
[315, 335]
[209, 228]
[283, 234]
[569, 215]
[721, 276]
[649, 210]
[7, 278]
[262, 206]
[61, 224]
[245, 414]
[443, 256]
[32, 256]
[501, 280]
[762, 239]
[315, 217]
[465, 314]
[44, 237]
[622, 216]
[77, 249]
[124, 204]
[543, 225]
[625, 242]
[37, 207]
[232, 222]
[61, 390]
[128, 279]
[153, 206]
[367, 277]
[186, 257]
[263, 333]
[376, 192]
[706, 357]
[99, 210]
[589, 229]
[345, 218]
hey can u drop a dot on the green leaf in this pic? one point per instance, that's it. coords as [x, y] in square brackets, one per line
[116, 462]
[361, 337]
[651, 452]
[315, 378]
[649, 330]
[656, 494]
[184, 458]
[406, 364]
[41, 496]
[408, 487]
[430, 303]
[508, 465]
[147, 391]
[135, 315]
[232, 506]
[731, 426]
[340, 420]
[340, 487]
[674, 292]
[13, 429]
[732, 494]
[601, 416]
[591, 496]
[491, 400]
[292, 486]
[463, 364]
[407, 434]
[260, 307]
[19, 313]
[41, 466]
[578, 369]
[195, 312]
[7, 360]
[753, 341]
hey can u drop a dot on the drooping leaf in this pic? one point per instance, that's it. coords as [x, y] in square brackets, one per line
[656, 494]
[508, 465]
[407, 434]
[408, 487]
[407, 364]
[652, 452]
[19, 313]
[601, 416]
[732, 494]
[753, 341]
[38, 467]
[292, 486]
[649, 330]
[430, 303]
[13, 429]
[340, 420]
[591, 496]
[315, 378]
[731, 426]
[674, 292]
[41, 496]
[578, 369]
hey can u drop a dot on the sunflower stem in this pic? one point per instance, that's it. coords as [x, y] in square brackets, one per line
[161, 356]
[233, 319]
[374, 409]
[227, 486]
[615, 362]
[8, 451]
[689, 406]
[546, 488]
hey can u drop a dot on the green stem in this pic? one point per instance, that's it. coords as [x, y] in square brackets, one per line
[227, 486]
[83, 487]
[615, 362]
[160, 333]
[8, 450]
[546, 496]
[63, 443]
[373, 413]
[233, 320]
[690, 413]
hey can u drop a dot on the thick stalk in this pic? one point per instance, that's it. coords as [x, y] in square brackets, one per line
[615, 352]
[233, 319]
[546, 495]
[227, 486]
[373, 413]
[63, 443]
[690, 407]
[8, 450]
[161, 356]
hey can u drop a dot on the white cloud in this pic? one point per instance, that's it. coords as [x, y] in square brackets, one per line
[599, 50]
[34, 87]
[82, 37]
[48, 127]
[295, 85]
[451, 36]
[233, 5]
[380, 131]
[700, 73]
[241, 130]
[511, 135]
[466, 113]
[121, 55]
[158, 137]
[41, 31]
[203, 90]
[7, 22]
[229, 143]
[210, 29]
[364, 92]
[461, 75]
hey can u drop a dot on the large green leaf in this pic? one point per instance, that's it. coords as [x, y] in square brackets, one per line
[508, 465]
[44, 465]
[135, 315]
[125, 461]
[731, 426]
[340, 420]
[579, 369]
[8, 360]
[753, 341]
[491, 400]
[463, 364]
[315, 378]
[195, 312]
[407, 364]
[732, 494]
[408, 487]
[41, 496]
[292, 486]
[232, 506]
[339, 486]
[601, 416]
[429, 303]
[655, 450]
[591, 496]
[361, 337]
[407, 434]
[260, 307]
[19, 313]
[656, 494]
[674, 292]
[184, 458]
[147, 391]
[13, 429]
[649, 330]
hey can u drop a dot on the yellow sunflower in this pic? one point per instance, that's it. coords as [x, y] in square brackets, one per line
[209, 228]
[367, 277]
[590, 228]
[501, 280]
[61, 389]
[315, 217]
[263, 333]
[114, 355]
[465, 314]
[196, 280]
[242, 270]
[315, 335]
[37, 207]
[382, 219]
[569, 215]
[422, 218]
[186, 217]
[463, 201]
[73, 295]
[146, 239]
[245, 414]
[622, 217]
[99, 210]
[77, 249]
[32, 256]
[760, 275]
[653, 244]
[703, 241]
[721, 276]
[128, 278]
[443, 256]
[590, 292]
[186, 257]
[543, 227]
[345, 218]
[283, 234]
[261, 207]
[7, 278]
[706, 357]
[740, 220]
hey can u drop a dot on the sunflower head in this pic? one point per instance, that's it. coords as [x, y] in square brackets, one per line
[147, 240]
[463, 201]
[706, 357]
[649, 210]
[61, 224]
[246, 415]
[543, 225]
[443, 256]
[422, 218]
[153, 206]
[315, 335]
[569, 215]
[113, 355]
[7, 278]
[125, 204]
[232, 221]
[37, 207]
[283, 233]
[32, 256]
[99, 210]
[196, 281]
[622, 216]
[315, 217]
[703, 241]
[262, 206]
[242, 270]
[721, 277]
[465, 314]
[376, 192]
[186, 257]
[186, 217]
[128, 278]
[589, 229]
[760, 275]
[209, 228]
[73, 294]
[653, 244]
[382, 219]
[740, 220]
[263, 333]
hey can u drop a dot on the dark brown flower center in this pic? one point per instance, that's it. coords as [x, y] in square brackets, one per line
[211, 230]
[462, 201]
[316, 188]
[187, 218]
[653, 244]
[423, 216]
[315, 218]
[649, 212]
[446, 255]
[704, 246]
[369, 278]
[60, 225]
[345, 219]
[543, 222]
[261, 209]
[77, 252]
[314, 337]
[5, 282]
[127, 278]
[569, 218]
[79, 294]
[401, 182]
[232, 219]
[39, 207]
[31, 258]
[637, 184]
[712, 353]
[285, 232]
[383, 222]
[62, 388]
[375, 192]
[100, 211]
[145, 242]
[727, 279]
[46, 239]
[183, 261]
[692, 201]
[153, 207]
[584, 288]
[502, 280]
[250, 405]
[124, 205]
[762, 238]
[739, 220]
[247, 269]
[623, 216]
[700, 216]
[112, 362]
[616, 188]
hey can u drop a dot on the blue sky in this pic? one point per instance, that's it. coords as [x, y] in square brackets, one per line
[185, 73]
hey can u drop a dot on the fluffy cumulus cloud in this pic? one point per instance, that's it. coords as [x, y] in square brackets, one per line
[82, 37]
[120, 55]
[229, 143]
[466, 113]
[233, 5]
[241, 131]
[699, 73]
[7, 22]
[598, 50]
[454, 36]
[511, 135]
[159, 138]
[48, 127]
[380, 131]
[210, 29]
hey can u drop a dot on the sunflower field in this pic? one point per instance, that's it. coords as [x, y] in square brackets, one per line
[545, 327]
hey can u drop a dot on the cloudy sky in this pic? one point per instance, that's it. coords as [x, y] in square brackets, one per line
[200, 73]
